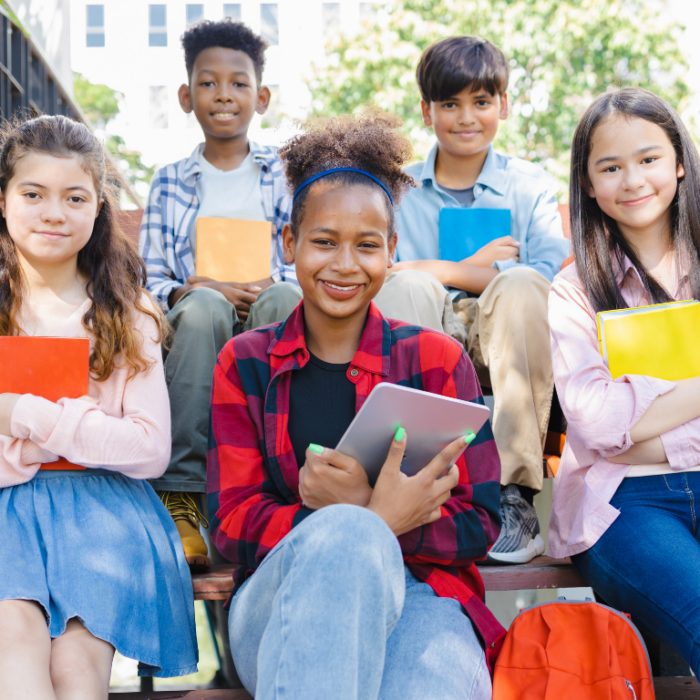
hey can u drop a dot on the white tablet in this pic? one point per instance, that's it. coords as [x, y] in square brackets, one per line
[431, 422]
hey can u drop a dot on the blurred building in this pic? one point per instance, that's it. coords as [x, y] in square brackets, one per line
[35, 70]
[134, 47]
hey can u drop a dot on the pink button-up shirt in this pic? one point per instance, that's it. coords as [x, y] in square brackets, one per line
[600, 413]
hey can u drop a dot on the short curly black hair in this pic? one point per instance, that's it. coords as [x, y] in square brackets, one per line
[368, 141]
[229, 35]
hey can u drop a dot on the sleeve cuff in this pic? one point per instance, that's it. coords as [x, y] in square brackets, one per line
[32, 417]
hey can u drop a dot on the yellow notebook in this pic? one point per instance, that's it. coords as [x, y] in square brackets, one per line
[233, 250]
[661, 341]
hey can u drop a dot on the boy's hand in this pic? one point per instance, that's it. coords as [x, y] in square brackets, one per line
[407, 502]
[503, 248]
[329, 477]
[241, 295]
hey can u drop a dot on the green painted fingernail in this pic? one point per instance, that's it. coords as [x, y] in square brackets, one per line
[469, 436]
[316, 448]
[400, 434]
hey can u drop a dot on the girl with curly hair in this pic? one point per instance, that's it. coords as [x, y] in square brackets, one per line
[346, 590]
[88, 549]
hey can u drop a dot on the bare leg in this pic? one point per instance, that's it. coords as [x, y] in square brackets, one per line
[80, 664]
[25, 652]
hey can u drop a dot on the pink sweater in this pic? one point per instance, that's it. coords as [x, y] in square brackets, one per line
[600, 412]
[127, 430]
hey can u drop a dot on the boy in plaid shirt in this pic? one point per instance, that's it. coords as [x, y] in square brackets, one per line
[226, 176]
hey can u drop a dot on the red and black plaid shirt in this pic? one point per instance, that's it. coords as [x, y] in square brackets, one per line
[253, 476]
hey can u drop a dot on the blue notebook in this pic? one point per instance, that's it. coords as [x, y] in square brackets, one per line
[464, 230]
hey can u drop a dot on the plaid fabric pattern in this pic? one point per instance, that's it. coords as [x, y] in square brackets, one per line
[172, 209]
[253, 478]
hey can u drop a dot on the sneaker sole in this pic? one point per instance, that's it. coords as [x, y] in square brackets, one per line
[535, 548]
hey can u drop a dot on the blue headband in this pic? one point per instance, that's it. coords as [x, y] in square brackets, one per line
[306, 183]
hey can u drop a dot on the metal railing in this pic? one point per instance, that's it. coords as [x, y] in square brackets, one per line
[28, 84]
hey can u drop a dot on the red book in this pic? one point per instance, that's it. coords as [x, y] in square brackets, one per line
[53, 368]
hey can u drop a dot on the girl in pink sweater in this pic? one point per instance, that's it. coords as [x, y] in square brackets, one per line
[90, 560]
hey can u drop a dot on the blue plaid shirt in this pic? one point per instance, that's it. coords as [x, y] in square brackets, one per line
[172, 209]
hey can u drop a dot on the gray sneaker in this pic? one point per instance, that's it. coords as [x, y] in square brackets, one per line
[520, 539]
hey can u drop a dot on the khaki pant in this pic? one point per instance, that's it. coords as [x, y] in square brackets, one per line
[507, 337]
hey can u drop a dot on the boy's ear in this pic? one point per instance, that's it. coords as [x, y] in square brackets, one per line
[503, 114]
[185, 98]
[425, 110]
[288, 244]
[263, 100]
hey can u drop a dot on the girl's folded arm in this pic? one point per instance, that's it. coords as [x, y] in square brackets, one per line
[20, 460]
[604, 411]
[137, 444]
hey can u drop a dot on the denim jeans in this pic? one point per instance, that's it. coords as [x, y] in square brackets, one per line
[648, 561]
[332, 613]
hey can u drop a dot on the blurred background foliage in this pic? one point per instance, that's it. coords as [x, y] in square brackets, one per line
[101, 106]
[562, 54]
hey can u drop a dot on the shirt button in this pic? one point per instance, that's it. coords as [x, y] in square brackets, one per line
[353, 372]
[477, 190]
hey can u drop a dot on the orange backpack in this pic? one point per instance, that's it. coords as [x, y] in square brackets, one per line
[573, 650]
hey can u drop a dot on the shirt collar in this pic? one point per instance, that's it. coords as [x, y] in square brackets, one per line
[193, 165]
[373, 353]
[491, 174]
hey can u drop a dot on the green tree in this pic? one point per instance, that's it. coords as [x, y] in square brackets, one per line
[101, 105]
[562, 53]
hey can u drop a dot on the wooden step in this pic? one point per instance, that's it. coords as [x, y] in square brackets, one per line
[541, 572]
[672, 688]
[184, 695]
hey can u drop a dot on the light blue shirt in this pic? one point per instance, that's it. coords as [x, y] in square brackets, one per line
[504, 183]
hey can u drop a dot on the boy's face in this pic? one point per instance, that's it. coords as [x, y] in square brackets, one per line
[467, 123]
[223, 92]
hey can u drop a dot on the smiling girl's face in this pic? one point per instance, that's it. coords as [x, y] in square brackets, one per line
[633, 174]
[342, 250]
[50, 206]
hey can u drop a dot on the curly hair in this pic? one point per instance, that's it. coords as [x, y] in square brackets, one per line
[227, 34]
[115, 273]
[368, 141]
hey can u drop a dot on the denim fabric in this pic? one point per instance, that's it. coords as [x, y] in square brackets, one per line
[504, 183]
[101, 547]
[647, 562]
[332, 612]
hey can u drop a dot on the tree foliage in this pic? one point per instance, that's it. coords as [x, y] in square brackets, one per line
[562, 54]
[101, 105]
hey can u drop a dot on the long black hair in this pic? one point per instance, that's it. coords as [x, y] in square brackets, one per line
[596, 237]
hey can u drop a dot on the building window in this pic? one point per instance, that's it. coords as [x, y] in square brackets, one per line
[157, 30]
[95, 29]
[331, 18]
[232, 10]
[269, 25]
[194, 13]
[158, 106]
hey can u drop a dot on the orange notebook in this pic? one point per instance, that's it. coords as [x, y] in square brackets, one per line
[233, 250]
[53, 368]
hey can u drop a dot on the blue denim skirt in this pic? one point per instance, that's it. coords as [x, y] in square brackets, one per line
[101, 547]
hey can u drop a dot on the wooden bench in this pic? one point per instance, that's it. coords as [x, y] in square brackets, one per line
[670, 688]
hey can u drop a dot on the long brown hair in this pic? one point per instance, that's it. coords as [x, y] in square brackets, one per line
[597, 239]
[115, 273]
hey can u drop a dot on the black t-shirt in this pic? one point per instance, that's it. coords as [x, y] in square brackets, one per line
[321, 406]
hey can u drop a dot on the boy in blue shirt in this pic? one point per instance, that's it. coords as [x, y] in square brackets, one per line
[463, 83]
[226, 176]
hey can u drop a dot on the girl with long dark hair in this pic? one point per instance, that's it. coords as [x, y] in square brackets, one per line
[90, 559]
[626, 492]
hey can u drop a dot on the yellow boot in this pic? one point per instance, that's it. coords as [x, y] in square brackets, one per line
[184, 511]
